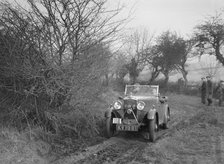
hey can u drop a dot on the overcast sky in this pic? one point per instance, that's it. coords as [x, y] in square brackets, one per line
[175, 15]
[161, 15]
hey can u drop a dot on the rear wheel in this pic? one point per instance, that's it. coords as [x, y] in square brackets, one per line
[153, 127]
[110, 127]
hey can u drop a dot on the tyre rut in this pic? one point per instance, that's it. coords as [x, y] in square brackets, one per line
[128, 148]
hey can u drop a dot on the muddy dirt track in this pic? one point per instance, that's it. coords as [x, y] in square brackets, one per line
[195, 135]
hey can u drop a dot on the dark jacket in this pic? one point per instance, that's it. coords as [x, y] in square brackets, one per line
[219, 90]
[209, 88]
[203, 87]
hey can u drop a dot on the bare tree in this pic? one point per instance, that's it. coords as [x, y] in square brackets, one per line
[118, 64]
[210, 36]
[149, 57]
[136, 45]
[169, 49]
[47, 45]
[74, 26]
[209, 65]
[185, 47]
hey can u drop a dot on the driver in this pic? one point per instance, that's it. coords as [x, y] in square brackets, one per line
[136, 88]
[154, 91]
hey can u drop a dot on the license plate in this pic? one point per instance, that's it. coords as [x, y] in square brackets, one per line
[127, 127]
[116, 120]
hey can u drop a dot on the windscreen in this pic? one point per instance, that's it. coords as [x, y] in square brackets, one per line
[142, 90]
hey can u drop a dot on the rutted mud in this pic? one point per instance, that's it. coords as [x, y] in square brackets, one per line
[195, 135]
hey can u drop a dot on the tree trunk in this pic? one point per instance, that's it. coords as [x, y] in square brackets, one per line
[166, 74]
[132, 80]
[184, 73]
[219, 56]
[155, 74]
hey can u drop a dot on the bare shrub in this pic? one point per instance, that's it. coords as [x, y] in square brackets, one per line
[54, 53]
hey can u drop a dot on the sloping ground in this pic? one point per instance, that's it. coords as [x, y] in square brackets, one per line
[27, 147]
[16, 148]
[199, 139]
[196, 135]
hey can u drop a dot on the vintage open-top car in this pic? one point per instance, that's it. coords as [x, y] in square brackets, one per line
[141, 108]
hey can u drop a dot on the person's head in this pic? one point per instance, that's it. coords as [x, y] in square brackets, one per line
[208, 77]
[221, 82]
[137, 86]
[203, 79]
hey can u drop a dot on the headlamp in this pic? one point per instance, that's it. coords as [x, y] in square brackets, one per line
[117, 105]
[140, 105]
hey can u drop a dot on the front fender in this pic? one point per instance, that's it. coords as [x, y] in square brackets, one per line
[108, 112]
[151, 114]
[165, 109]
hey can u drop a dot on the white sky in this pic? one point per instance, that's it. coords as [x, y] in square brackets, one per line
[175, 15]
[161, 15]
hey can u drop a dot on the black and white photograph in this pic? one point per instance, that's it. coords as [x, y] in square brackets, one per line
[111, 82]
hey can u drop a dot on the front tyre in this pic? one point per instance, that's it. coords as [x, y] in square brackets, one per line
[152, 125]
[166, 119]
[168, 114]
[110, 128]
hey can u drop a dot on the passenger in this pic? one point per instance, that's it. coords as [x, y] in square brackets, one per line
[209, 90]
[203, 90]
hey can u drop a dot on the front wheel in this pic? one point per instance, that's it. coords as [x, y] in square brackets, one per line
[166, 119]
[110, 128]
[152, 129]
[168, 114]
